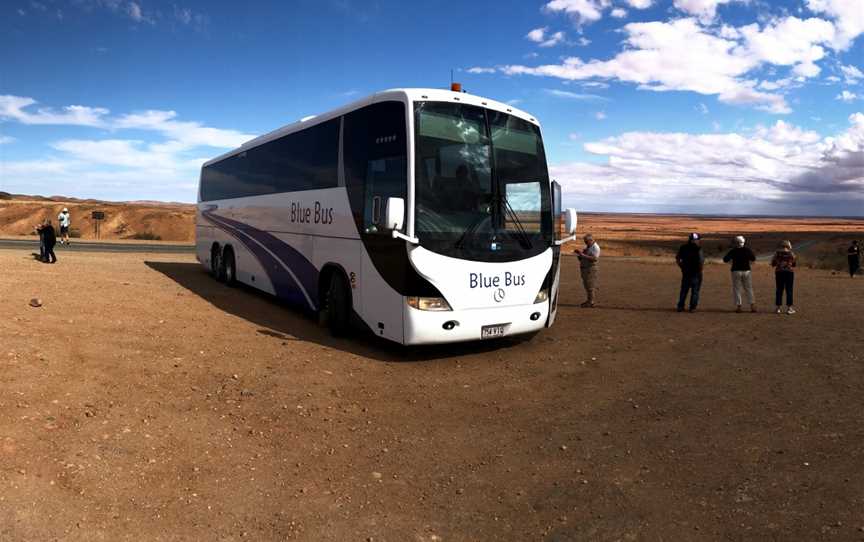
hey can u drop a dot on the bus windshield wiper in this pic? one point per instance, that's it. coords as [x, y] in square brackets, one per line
[524, 238]
[471, 229]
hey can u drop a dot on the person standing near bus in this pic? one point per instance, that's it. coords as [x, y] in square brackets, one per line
[588, 260]
[854, 256]
[691, 260]
[783, 263]
[742, 281]
[65, 221]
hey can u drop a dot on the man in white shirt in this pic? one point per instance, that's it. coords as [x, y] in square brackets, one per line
[588, 260]
[65, 221]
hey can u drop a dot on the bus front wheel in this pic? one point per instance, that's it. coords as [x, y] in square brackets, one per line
[215, 262]
[337, 306]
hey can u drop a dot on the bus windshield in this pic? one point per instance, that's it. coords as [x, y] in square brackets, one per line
[482, 187]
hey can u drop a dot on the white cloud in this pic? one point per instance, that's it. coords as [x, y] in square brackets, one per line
[851, 74]
[600, 115]
[164, 168]
[583, 41]
[6, 139]
[479, 69]
[789, 41]
[566, 94]
[847, 96]
[704, 10]
[684, 55]
[17, 108]
[640, 4]
[582, 11]
[679, 55]
[618, 13]
[848, 16]
[542, 39]
[702, 108]
[779, 168]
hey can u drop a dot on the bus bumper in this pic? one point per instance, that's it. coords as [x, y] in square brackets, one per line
[432, 327]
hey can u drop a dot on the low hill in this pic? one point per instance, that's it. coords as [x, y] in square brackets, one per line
[123, 220]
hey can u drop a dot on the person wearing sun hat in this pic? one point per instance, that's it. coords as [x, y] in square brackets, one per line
[691, 260]
[742, 281]
[65, 221]
[783, 263]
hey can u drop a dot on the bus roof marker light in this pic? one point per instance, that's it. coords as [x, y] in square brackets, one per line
[456, 87]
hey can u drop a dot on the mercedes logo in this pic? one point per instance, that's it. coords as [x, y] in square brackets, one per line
[498, 296]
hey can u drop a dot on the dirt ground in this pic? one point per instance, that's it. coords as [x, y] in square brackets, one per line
[144, 401]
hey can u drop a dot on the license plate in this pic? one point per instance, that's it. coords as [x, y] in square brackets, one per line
[490, 332]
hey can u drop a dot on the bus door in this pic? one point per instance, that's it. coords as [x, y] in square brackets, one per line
[557, 218]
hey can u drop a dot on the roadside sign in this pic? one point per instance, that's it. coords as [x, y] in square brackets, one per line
[98, 217]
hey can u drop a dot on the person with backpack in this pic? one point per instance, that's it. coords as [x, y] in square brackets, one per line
[783, 263]
[742, 281]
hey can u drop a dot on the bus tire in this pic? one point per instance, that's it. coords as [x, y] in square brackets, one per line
[337, 306]
[215, 261]
[229, 267]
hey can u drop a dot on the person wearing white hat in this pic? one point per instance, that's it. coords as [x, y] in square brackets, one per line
[784, 262]
[742, 282]
[65, 221]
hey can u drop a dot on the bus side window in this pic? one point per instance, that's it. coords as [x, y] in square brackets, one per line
[376, 163]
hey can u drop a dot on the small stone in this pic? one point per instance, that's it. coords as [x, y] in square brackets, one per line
[376, 475]
[563, 447]
[36, 302]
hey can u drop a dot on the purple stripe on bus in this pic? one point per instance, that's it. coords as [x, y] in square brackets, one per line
[284, 285]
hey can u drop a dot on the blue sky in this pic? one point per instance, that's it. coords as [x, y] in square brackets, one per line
[715, 106]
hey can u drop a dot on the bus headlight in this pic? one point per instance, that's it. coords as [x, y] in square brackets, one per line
[429, 303]
[542, 296]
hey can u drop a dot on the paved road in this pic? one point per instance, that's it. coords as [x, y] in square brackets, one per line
[90, 246]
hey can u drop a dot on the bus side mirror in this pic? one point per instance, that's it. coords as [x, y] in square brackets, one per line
[570, 220]
[394, 213]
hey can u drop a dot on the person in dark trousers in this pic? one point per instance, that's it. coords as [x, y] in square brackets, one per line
[742, 281]
[783, 263]
[50, 237]
[691, 260]
[854, 257]
[38, 229]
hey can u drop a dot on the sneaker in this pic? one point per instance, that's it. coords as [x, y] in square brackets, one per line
[680, 309]
[777, 310]
[753, 308]
[738, 308]
[791, 310]
[587, 305]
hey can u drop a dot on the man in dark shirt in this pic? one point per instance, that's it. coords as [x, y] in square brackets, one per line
[741, 258]
[854, 253]
[691, 260]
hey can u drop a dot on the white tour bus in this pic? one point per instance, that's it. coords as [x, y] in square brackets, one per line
[425, 215]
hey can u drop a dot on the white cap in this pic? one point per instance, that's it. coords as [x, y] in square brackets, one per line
[65, 210]
[739, 240]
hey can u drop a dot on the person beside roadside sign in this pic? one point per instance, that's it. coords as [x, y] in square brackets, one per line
[742, 281]
[691, 260]
[589, 257]
[49, 238]
[65, 221]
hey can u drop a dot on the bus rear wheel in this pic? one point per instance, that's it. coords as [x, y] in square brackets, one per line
[337, 306]
[229, 267]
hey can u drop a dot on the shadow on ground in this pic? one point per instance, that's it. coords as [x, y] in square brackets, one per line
[285, 322]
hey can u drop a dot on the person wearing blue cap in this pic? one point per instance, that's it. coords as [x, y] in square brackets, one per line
[691, 260]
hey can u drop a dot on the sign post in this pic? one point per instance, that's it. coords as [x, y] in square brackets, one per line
[98, 217]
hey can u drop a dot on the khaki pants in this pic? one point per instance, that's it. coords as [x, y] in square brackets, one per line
[589, 280]
[742, 283]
